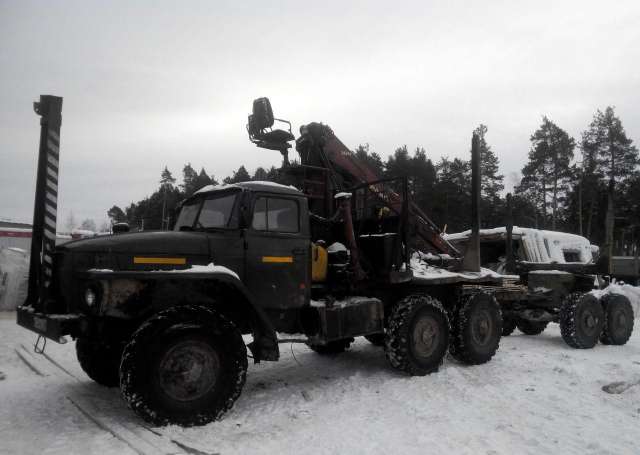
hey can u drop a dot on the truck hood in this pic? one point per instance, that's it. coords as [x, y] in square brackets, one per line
[159, 242]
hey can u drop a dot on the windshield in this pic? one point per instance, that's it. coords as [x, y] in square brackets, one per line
[212, 212]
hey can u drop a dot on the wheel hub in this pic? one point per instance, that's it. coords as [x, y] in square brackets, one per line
[188, 370]
[481, 327]
[590, 321]
[620, 321]
[425, 337]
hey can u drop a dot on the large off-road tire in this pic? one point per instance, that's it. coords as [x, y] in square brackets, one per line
[376, 339]
[417, 335]
[581, 320]
[531, 327]
[332, 347]
[618, 324]
[476, 329]
[186, 365]
[508, 326]
[100, 360]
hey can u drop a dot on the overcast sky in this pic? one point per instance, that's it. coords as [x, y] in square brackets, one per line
[149, 84]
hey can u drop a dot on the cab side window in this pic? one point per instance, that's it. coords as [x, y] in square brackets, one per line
[275, 215]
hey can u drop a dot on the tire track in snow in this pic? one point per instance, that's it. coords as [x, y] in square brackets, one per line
[139, 438]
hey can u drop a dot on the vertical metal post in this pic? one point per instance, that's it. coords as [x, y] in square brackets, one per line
[471, 260]
[43, 240]
[405, 220]
[509, 239]
[609, 227]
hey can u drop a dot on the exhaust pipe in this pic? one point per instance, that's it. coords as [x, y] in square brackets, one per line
[45, 209]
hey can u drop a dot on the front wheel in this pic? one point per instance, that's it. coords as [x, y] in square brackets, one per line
[476, 329]
[186, 366]
[417, 336]
[581, 320]
[618, 320]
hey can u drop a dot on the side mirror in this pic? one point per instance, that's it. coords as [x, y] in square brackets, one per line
[262, 114]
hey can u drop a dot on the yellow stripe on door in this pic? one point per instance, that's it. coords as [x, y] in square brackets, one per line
[278, 259]
[164, 261]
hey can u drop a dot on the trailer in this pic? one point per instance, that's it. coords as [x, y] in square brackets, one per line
[556, 273]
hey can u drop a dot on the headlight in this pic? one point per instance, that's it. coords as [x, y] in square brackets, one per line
[90, 297]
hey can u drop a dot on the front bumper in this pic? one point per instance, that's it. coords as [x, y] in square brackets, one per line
[52, 326]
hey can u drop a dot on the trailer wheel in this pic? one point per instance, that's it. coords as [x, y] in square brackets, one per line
[531, 327]
[508, 326]
[100, 360]
[582, 319]
[376, 339]
[332, 347]
[417, 335]
[476, 329]
[186, 365]
[618, 324]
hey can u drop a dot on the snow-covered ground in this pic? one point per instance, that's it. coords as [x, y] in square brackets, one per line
[536, 396]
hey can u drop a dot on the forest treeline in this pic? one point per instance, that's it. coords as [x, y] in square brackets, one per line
[563, 184]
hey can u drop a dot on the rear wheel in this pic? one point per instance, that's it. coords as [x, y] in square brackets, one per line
[332, 347]
[476, 329]
[100, 360]
[581, 320]
[417, 336]
[618, 324]
[186, 366]
[531, 327]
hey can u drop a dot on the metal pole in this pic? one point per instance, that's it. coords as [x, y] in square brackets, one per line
[471, 260]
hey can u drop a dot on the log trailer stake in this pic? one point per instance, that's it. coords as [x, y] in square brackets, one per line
[43, 242]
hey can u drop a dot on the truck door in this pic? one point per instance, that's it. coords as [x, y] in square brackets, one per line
[277, 249]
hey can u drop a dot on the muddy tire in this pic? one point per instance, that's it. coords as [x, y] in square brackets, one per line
[332, 347]
[531, 327]
[582, 319]
[508, 326]
[476, 329]
[186, 366]
[418, 335]
[618, 315]
[377, 339]
[100, 360]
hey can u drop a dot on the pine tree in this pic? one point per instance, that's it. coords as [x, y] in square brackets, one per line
[452, 194]
[116, 215]
[189, 177]
[548, 170]
[364, 154]
[422, 180]
[241, 175]
[260, 174]
[202, 180]
[608, 157]
[491, 181]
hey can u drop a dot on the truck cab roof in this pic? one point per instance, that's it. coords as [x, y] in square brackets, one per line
[271, 187]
